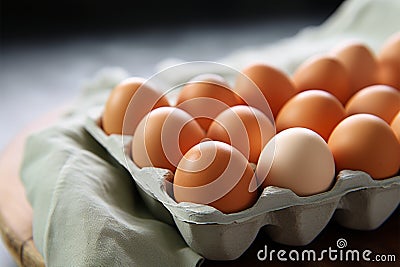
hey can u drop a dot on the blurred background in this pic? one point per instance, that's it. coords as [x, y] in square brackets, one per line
[49, 48]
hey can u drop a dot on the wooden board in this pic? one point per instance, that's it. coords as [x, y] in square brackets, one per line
[15, 210]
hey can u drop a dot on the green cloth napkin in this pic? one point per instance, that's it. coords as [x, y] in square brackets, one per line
[87, 211]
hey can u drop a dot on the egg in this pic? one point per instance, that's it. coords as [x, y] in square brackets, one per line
[264, 87]
[128, 103]
[317, 110]
[389, 62]
[204, 97]
[360, 63]
[389, 75]
[297, 159]
[244, 127]
[216, 174]
[323, 73]
[367, 143]
[396, 125]
[380, 100]
[163, 137]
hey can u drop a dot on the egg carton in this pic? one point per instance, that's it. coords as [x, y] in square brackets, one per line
[356, 201]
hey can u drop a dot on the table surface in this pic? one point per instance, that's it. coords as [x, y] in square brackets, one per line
[39, 76]
[36, 76]
[5, 258]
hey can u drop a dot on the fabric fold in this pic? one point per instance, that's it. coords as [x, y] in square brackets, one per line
[87, 211]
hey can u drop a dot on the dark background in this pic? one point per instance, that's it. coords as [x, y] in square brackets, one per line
[22, 19]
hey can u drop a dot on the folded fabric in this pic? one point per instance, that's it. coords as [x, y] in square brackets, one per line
[87, 211]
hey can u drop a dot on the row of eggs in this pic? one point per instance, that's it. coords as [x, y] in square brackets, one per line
[338, 111]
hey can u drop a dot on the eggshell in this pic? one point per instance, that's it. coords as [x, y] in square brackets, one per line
[360, 63]
[244, 127]
[128, 103]
[396, 125]
[261, 85]
[389, 62]
[389, 75]
[297, 159]
[216, 174]
[323, 73]
[204, 97]
[163, 136]
[367, 143]
[314, 109]
[380, 100]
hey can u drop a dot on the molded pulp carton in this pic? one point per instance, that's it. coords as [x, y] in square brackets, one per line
[356, 201]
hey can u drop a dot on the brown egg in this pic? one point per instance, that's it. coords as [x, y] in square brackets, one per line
[204, 97]
[380, 100]
[360, 63]
[263, 85]
[389, 75]
[396, 125]
[314, 109]
[215, 174]
[389, 62]
[244, 127]
[128, 103]
[163, 137]
[323, 73]
[297, 159]
[367, 143]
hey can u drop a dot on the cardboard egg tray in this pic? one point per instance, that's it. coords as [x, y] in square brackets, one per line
[356, 201]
